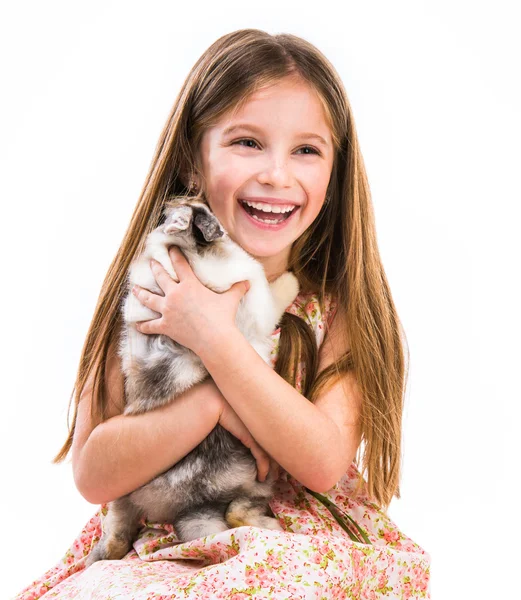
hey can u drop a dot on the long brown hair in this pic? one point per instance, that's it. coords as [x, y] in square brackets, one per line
[337, 254]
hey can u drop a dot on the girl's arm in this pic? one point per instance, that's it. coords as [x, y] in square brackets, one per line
[314, 442]
[126, 451]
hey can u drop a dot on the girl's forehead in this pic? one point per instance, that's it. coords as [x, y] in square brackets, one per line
[284, 105]
[285, 93]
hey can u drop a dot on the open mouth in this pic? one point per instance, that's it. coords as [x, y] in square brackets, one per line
[265, 217]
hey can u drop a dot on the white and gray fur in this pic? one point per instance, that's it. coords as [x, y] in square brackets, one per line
[214, 487]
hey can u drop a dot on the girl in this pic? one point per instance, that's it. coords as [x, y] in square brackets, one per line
[261, 124]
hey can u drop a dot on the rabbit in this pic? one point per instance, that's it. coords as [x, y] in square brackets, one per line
[214, 487]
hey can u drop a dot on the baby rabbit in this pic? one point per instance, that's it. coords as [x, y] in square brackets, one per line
[214, 487]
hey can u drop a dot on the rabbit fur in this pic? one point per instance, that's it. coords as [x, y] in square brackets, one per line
[214, 487]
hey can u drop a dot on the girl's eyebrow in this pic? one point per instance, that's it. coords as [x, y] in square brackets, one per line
[255, 129]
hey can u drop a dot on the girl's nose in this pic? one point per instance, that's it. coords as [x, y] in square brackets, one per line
[276, 174]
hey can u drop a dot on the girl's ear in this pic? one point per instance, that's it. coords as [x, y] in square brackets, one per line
[189, 180]
[178, 218]
[184, 176]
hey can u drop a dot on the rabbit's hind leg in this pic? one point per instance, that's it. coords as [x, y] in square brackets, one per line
[251, 511]
[204, 520]
[119, 531]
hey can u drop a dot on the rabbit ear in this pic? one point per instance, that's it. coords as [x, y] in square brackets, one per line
[208, 225]
[178, 219]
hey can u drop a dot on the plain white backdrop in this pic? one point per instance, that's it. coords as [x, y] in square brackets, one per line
[435, 92]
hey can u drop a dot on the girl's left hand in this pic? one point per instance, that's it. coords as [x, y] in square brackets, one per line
[191, 314]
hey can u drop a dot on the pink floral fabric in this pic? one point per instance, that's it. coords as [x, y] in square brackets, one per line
[313, 557]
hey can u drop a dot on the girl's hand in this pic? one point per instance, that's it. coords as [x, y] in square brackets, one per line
[191, 314]
[231, 422]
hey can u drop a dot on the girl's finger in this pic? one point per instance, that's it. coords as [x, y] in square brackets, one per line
[180, 264]
[148, 299]
[274, 467]
[263, 461]
[161, 275]
[148, 327]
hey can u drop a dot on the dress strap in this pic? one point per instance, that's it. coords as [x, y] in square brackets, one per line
[307, 307]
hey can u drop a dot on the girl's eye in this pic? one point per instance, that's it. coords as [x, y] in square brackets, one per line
[313, 150]
[245, 140]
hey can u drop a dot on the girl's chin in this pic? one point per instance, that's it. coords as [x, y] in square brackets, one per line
[259, 250]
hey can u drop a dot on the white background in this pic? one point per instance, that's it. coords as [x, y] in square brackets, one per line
[435, 93]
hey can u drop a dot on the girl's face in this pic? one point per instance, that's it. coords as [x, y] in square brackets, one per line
[279, 154]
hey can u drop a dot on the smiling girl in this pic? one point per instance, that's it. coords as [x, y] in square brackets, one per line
[263, 132]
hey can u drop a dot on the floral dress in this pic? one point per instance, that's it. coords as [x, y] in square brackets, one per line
[334, 545]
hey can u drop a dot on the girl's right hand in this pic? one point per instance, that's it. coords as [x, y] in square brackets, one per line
[231, 422]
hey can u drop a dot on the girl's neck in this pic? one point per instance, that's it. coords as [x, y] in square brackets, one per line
[274, 266]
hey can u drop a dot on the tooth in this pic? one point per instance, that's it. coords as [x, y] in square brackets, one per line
[269, 221]
[269, 208]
